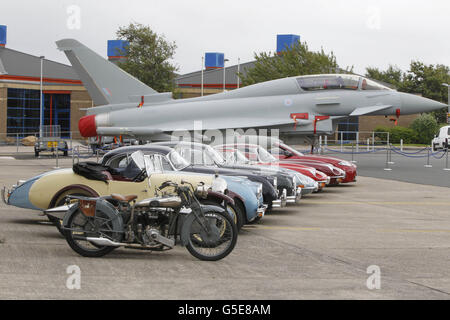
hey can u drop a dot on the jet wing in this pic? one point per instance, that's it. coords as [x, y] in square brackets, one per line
[368, 110]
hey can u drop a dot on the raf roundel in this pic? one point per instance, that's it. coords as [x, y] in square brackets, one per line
[288, 102]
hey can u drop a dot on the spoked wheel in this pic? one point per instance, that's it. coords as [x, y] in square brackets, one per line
[218, 242]
[82, 227]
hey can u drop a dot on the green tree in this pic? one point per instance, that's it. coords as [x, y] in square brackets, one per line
[425, 127]
[393, 75]
[148, 56]
[296, 61]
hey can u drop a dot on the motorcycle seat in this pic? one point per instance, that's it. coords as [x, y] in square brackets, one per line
[122, 198]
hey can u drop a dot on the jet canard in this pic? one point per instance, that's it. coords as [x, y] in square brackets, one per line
[303, 105]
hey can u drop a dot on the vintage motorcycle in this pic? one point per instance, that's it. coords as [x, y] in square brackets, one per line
[96, 226]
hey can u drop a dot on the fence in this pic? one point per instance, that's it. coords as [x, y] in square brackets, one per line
[365, 139]
[24, 142]
[378, 142]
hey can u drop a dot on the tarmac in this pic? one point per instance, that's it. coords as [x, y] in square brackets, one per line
[322, 248]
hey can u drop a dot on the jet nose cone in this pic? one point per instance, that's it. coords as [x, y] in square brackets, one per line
[87, 126]
[416, 104]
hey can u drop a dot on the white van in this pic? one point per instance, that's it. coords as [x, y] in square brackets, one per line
[441, 141]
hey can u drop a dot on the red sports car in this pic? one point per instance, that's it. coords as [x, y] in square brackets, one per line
[286, 153]
[263, 158]
[258, 154]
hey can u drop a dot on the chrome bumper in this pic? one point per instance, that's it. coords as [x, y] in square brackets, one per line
[281, 201]
[5, 195]
[261, 210]
[296, 198]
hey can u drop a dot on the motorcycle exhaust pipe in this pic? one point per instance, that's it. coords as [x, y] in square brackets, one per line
[104, 242]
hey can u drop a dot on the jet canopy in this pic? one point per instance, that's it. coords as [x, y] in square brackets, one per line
[338, 81]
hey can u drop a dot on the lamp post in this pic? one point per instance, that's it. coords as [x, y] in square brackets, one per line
[40, 98]
[448, 101]
[203, 64]
[224, 73]
[238, 70]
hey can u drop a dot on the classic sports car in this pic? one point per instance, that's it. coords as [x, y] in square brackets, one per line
[235, 157]
[50, 189]
[321, 178]
[259, 155]
[247, 195]
[286, 153]
[207, 160]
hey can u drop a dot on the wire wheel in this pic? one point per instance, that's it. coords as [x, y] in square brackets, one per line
[81, 227]
[216, 242]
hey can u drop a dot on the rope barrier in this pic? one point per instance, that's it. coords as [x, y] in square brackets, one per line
[360, 152]
[416, 152]
[415, 156]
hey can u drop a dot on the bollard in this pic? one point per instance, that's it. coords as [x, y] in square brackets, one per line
[326, 143]
[357, 142]
[57, 153]
[353, 161]
[373, 141]
[368, 144]
[386, 168]
[428, 165]
[446, 160]
[401, 145]
[390, 154]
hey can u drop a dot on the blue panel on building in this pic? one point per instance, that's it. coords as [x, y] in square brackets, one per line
[3, 35]
[214, 60]
[286, 40]
[117, 48]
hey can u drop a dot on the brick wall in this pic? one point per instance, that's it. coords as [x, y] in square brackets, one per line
[78, 100]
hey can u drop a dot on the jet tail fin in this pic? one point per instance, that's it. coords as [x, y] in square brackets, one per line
[105, 82]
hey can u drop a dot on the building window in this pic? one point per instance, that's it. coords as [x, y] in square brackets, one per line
[349, 127]
[23, 112]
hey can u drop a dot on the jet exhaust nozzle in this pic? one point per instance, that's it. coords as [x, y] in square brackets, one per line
[87, 126]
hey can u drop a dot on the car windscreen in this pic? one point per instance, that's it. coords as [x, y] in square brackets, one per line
[177, 160]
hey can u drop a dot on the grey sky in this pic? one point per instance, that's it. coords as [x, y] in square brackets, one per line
[360, 32]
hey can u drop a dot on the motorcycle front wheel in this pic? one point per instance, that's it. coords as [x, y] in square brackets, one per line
[216, 243]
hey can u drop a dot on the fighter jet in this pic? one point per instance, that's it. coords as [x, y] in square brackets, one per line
[307, 105]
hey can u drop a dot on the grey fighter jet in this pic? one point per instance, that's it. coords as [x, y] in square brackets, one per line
[307, 105]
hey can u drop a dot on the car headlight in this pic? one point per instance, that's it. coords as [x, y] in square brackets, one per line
[345, 163]
[219, 185]
[259, 191]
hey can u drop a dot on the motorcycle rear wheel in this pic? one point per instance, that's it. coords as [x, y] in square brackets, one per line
[81, 227]
[218, 243]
